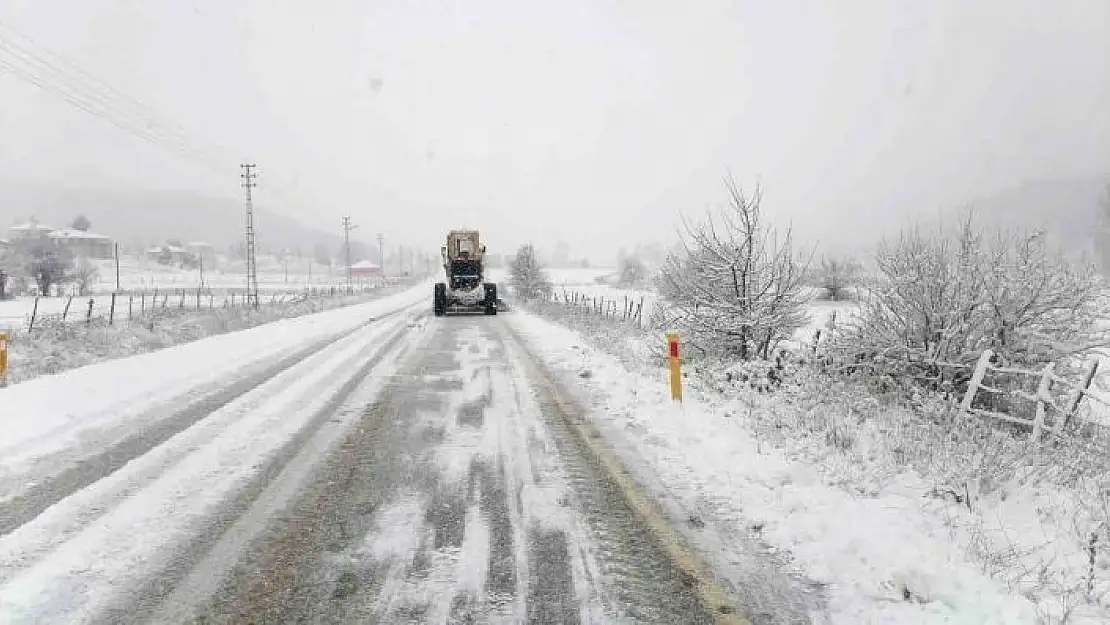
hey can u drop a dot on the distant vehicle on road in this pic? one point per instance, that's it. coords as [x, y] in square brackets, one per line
[465, 289]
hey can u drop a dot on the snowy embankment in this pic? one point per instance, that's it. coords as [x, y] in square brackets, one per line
[52, 422]
[816, 480]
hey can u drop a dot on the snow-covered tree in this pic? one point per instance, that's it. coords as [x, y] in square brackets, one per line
[85, 274]
[81, 223]
[631, 272]
[837, 275]
[527, 276]
[944, 296]
[736, 286]
[48, 265]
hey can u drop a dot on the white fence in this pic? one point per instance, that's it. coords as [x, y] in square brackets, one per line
[1050, 416]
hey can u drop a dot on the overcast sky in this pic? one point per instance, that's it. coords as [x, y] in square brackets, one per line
[595, 121]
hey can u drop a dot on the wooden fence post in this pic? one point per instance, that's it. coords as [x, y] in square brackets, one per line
[34, 312]
[112, 310]
[976, 380]
[130, 306]
[1077, 397]
[1042, 399]
[65, 311]
[88, 313]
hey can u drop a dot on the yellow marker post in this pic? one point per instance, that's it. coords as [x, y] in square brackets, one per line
[3, 358]
[676, 366]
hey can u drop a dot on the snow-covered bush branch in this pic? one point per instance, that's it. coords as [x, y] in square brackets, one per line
[944, 296]
[736, 288]
[527, 276]
[837, 277]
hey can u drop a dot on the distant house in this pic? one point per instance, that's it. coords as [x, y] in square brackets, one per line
[28, 231]
[365, 269]
[167, 254]
[202, 250]
[83, 243]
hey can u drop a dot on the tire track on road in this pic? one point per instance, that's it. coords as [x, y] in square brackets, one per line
[23, 508]
[188, 543]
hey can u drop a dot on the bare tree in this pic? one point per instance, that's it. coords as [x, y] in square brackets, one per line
[48, 266]
[945, 296]
[527, 276]
[736, 286]
[631, 271]
[85, 274]
[837, 276]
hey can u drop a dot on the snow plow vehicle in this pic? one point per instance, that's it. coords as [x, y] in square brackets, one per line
[465, 289]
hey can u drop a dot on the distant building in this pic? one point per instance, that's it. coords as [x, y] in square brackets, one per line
[365, 269]
[28, 231]
[167, 254]
[79, 242]
[202, 250]
[83, 243]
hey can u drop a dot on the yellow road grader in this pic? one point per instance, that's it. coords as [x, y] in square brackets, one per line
[465, 289]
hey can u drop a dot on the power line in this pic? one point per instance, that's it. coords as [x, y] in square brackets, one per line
[52, 72]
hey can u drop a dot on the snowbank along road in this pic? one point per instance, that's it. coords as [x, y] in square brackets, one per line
[404, 470]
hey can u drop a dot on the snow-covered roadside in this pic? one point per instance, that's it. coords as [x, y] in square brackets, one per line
[886, 556]
[98, 547]
[56, 346]
[67, 412]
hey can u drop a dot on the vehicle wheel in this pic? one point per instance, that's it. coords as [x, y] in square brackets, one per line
[491, 299]
[439, 300]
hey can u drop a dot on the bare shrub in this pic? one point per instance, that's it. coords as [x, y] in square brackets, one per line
[735, 288]
[527, 276]
[85, 274]
[49, 266]
[838, 276]
[945, 296]
[631, 272]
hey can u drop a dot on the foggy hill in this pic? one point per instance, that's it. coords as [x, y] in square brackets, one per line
[1067, 208]
[144, 217]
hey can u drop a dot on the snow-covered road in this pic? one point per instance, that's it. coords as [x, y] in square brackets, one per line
[392, 468]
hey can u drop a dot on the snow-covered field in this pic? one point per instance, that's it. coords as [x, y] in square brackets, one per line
[141, 279]
[895, 519]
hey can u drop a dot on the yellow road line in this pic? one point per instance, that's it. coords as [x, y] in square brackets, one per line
[694, 571]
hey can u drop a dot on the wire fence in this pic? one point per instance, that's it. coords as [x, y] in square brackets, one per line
[116, 307]
[622, 308]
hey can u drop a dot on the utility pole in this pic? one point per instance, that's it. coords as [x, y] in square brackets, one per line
[117, 267]
[248, 177]
[200, 259]
[381, 252]
[347, 227]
